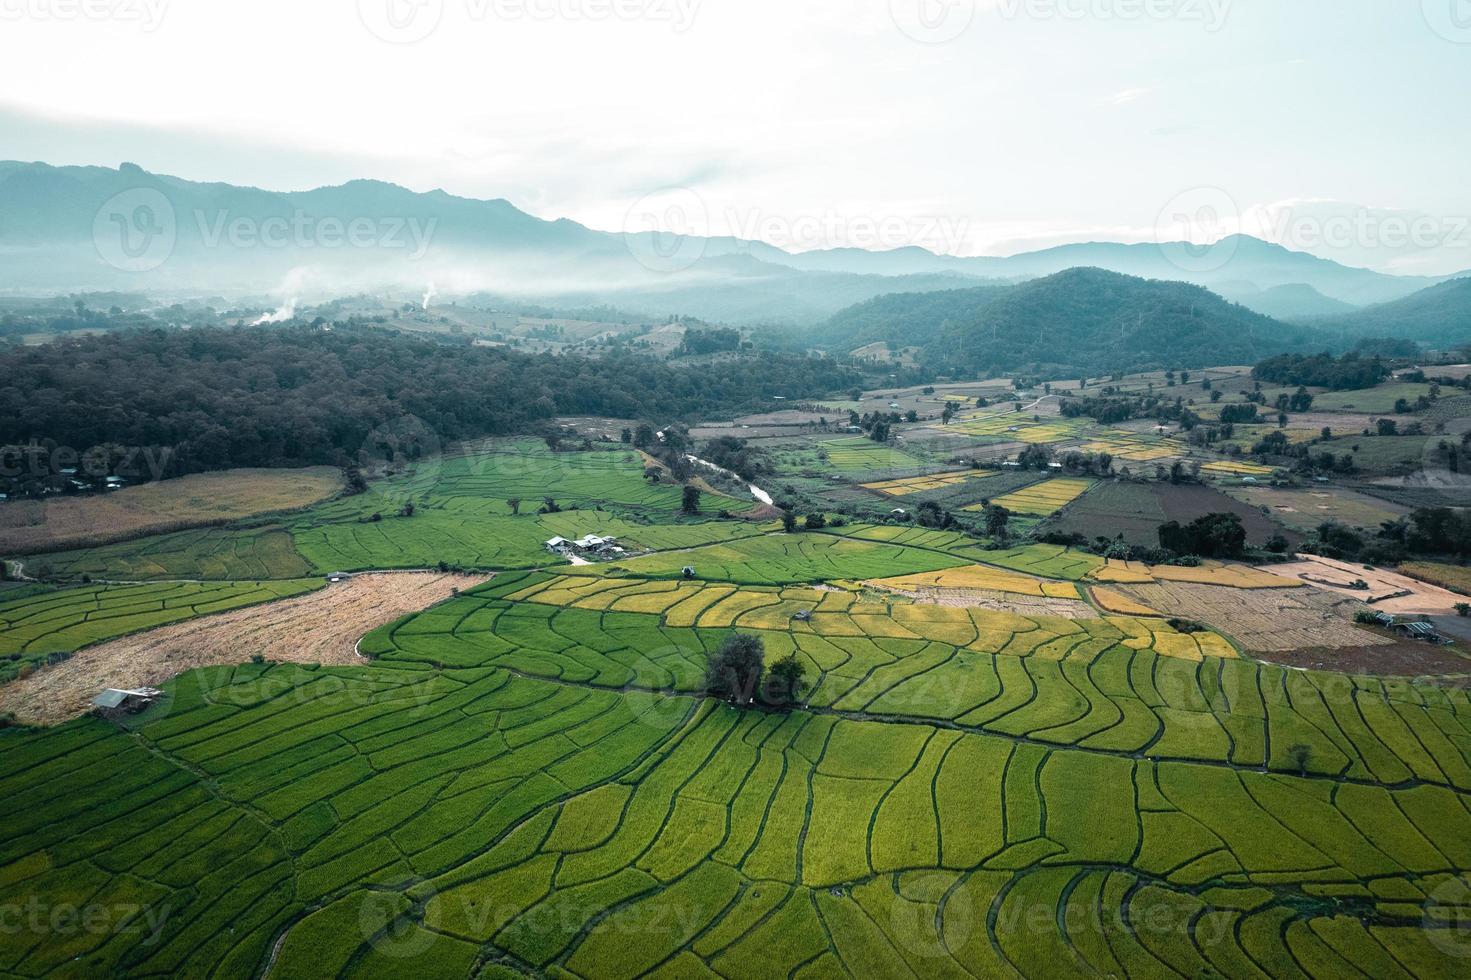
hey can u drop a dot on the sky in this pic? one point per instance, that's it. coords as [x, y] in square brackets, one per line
[971, 127]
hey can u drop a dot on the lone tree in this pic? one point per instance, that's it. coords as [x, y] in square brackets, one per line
[515, 504]
[788, 522]
[734, 672]
[691, 501]
[1301, 755]
[785, 682]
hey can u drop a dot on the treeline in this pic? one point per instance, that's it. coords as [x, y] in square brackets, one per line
[711, 340]
[302, 395]
[1347, 373]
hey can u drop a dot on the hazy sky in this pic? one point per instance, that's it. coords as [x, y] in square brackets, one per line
[985, 127]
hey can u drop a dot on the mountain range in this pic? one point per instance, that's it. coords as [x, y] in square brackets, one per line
[81, 228]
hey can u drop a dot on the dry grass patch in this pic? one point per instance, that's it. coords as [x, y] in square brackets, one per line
[1206, 573]
[36, 526]
[1119, 604]
[1261, 620]
[320, 628]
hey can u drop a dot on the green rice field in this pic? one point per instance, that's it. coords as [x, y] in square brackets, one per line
[520, 785]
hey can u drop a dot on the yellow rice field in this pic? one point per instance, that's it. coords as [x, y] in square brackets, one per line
[1046, 498]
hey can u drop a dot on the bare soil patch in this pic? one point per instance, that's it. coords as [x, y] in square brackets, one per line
[320, 628]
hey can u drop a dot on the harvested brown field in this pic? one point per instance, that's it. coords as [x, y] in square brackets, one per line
[998, 601]
[1262, 620]
[320, 628]
[1388, 592]
[36, 526]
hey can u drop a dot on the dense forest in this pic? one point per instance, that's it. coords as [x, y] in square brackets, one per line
[300, 395]
[1080, 322]
[1347, 373]
[1090, 322]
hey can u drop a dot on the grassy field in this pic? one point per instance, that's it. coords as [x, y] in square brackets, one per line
[1456, 578]
[463, 514]
[1304, 510]
[533, 786]
[38, 627]
[859, 454]
[1379, 400]
[223, 554]
[34, 526]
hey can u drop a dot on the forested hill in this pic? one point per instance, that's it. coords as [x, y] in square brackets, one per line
[300, 395]
[906, 319]
[1078, 322]
[1437, 317]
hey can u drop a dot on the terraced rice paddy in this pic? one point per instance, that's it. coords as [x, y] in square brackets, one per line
[221, 554]
[1017, 426]
[922, 484]
[37, 628]
[519, 786]
[862, 455]
[1123, 446]
[777, 559]
[1046, 498]
[1227, 467]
